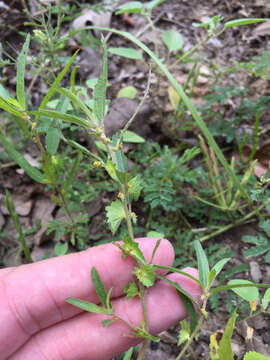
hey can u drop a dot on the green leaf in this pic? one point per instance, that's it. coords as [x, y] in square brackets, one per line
[135, 187]
[173, 40]
[49, 169]
[128, 354]
[256, 250]
[152, 4]
[99, 286]
[225, 347]
[202, 262]
[129, 53]
[101, 87]
[60, 249]
[187, 301]
[107, 322]
[246, 293]
[90, 307]
[132, 7]
[141, 333]
[7, 107]
[240, 22]
[216, 270]
[132, 137]
[31, 171]
[253, 355]
[256, 240]
[20, 92]
[4, 93]
[265, 225]
[131, 290]
[55, 84]
[121, 161]
[72, 173]
[129, 92]
[184, 333]
[15, 218]
[131, 248]
[52, 140]
[115, 214]
[155, 234]
[145, 274]
[266, 299]
[65, 117]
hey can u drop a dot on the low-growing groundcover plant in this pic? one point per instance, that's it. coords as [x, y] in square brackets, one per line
[88, 116]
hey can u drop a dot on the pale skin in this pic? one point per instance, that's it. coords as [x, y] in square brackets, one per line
[38, 324]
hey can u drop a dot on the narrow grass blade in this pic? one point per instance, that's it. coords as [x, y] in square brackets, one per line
[31, 171]
[15, 218]
[7, 107]
[20, 92]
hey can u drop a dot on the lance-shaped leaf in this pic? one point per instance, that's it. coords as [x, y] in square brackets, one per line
[20, 92]
[90, 307]
[31, 171]
[241, 22]
[52, 140]
[99, 286]
[101, 87]
[225, 346]
[65, 117]
[202, 262]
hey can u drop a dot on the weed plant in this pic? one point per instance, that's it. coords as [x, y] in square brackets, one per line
[68, 166]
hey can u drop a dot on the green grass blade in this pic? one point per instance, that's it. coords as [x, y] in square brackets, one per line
[31, 171]
[15, 218]
[20, 92]
[185, 99]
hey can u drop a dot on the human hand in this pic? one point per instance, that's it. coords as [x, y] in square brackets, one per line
[38, 324]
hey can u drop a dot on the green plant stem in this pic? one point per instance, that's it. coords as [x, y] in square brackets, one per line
[145, 319]
[236, 223]
[195, 332]
[143, 349]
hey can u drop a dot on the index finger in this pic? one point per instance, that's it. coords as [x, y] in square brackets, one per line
[34, 295]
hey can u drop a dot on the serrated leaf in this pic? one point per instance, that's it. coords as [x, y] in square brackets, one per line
[225, 347]
[135, 188]
[241, 22]
[266, 299]
[131, 290]
[52, 140]
[246, 293]
[20, 73]
[90, 307]
[31, 171]
[132, 137]
[115, 214]
[183, 336]
[101, 87]
[203, 265]
[145, 274]
[173, 40]
[99, 286]
[129, 53]
[60, 249]
[253, 355]
[129, 92]
[131, 248]
[132, 7]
